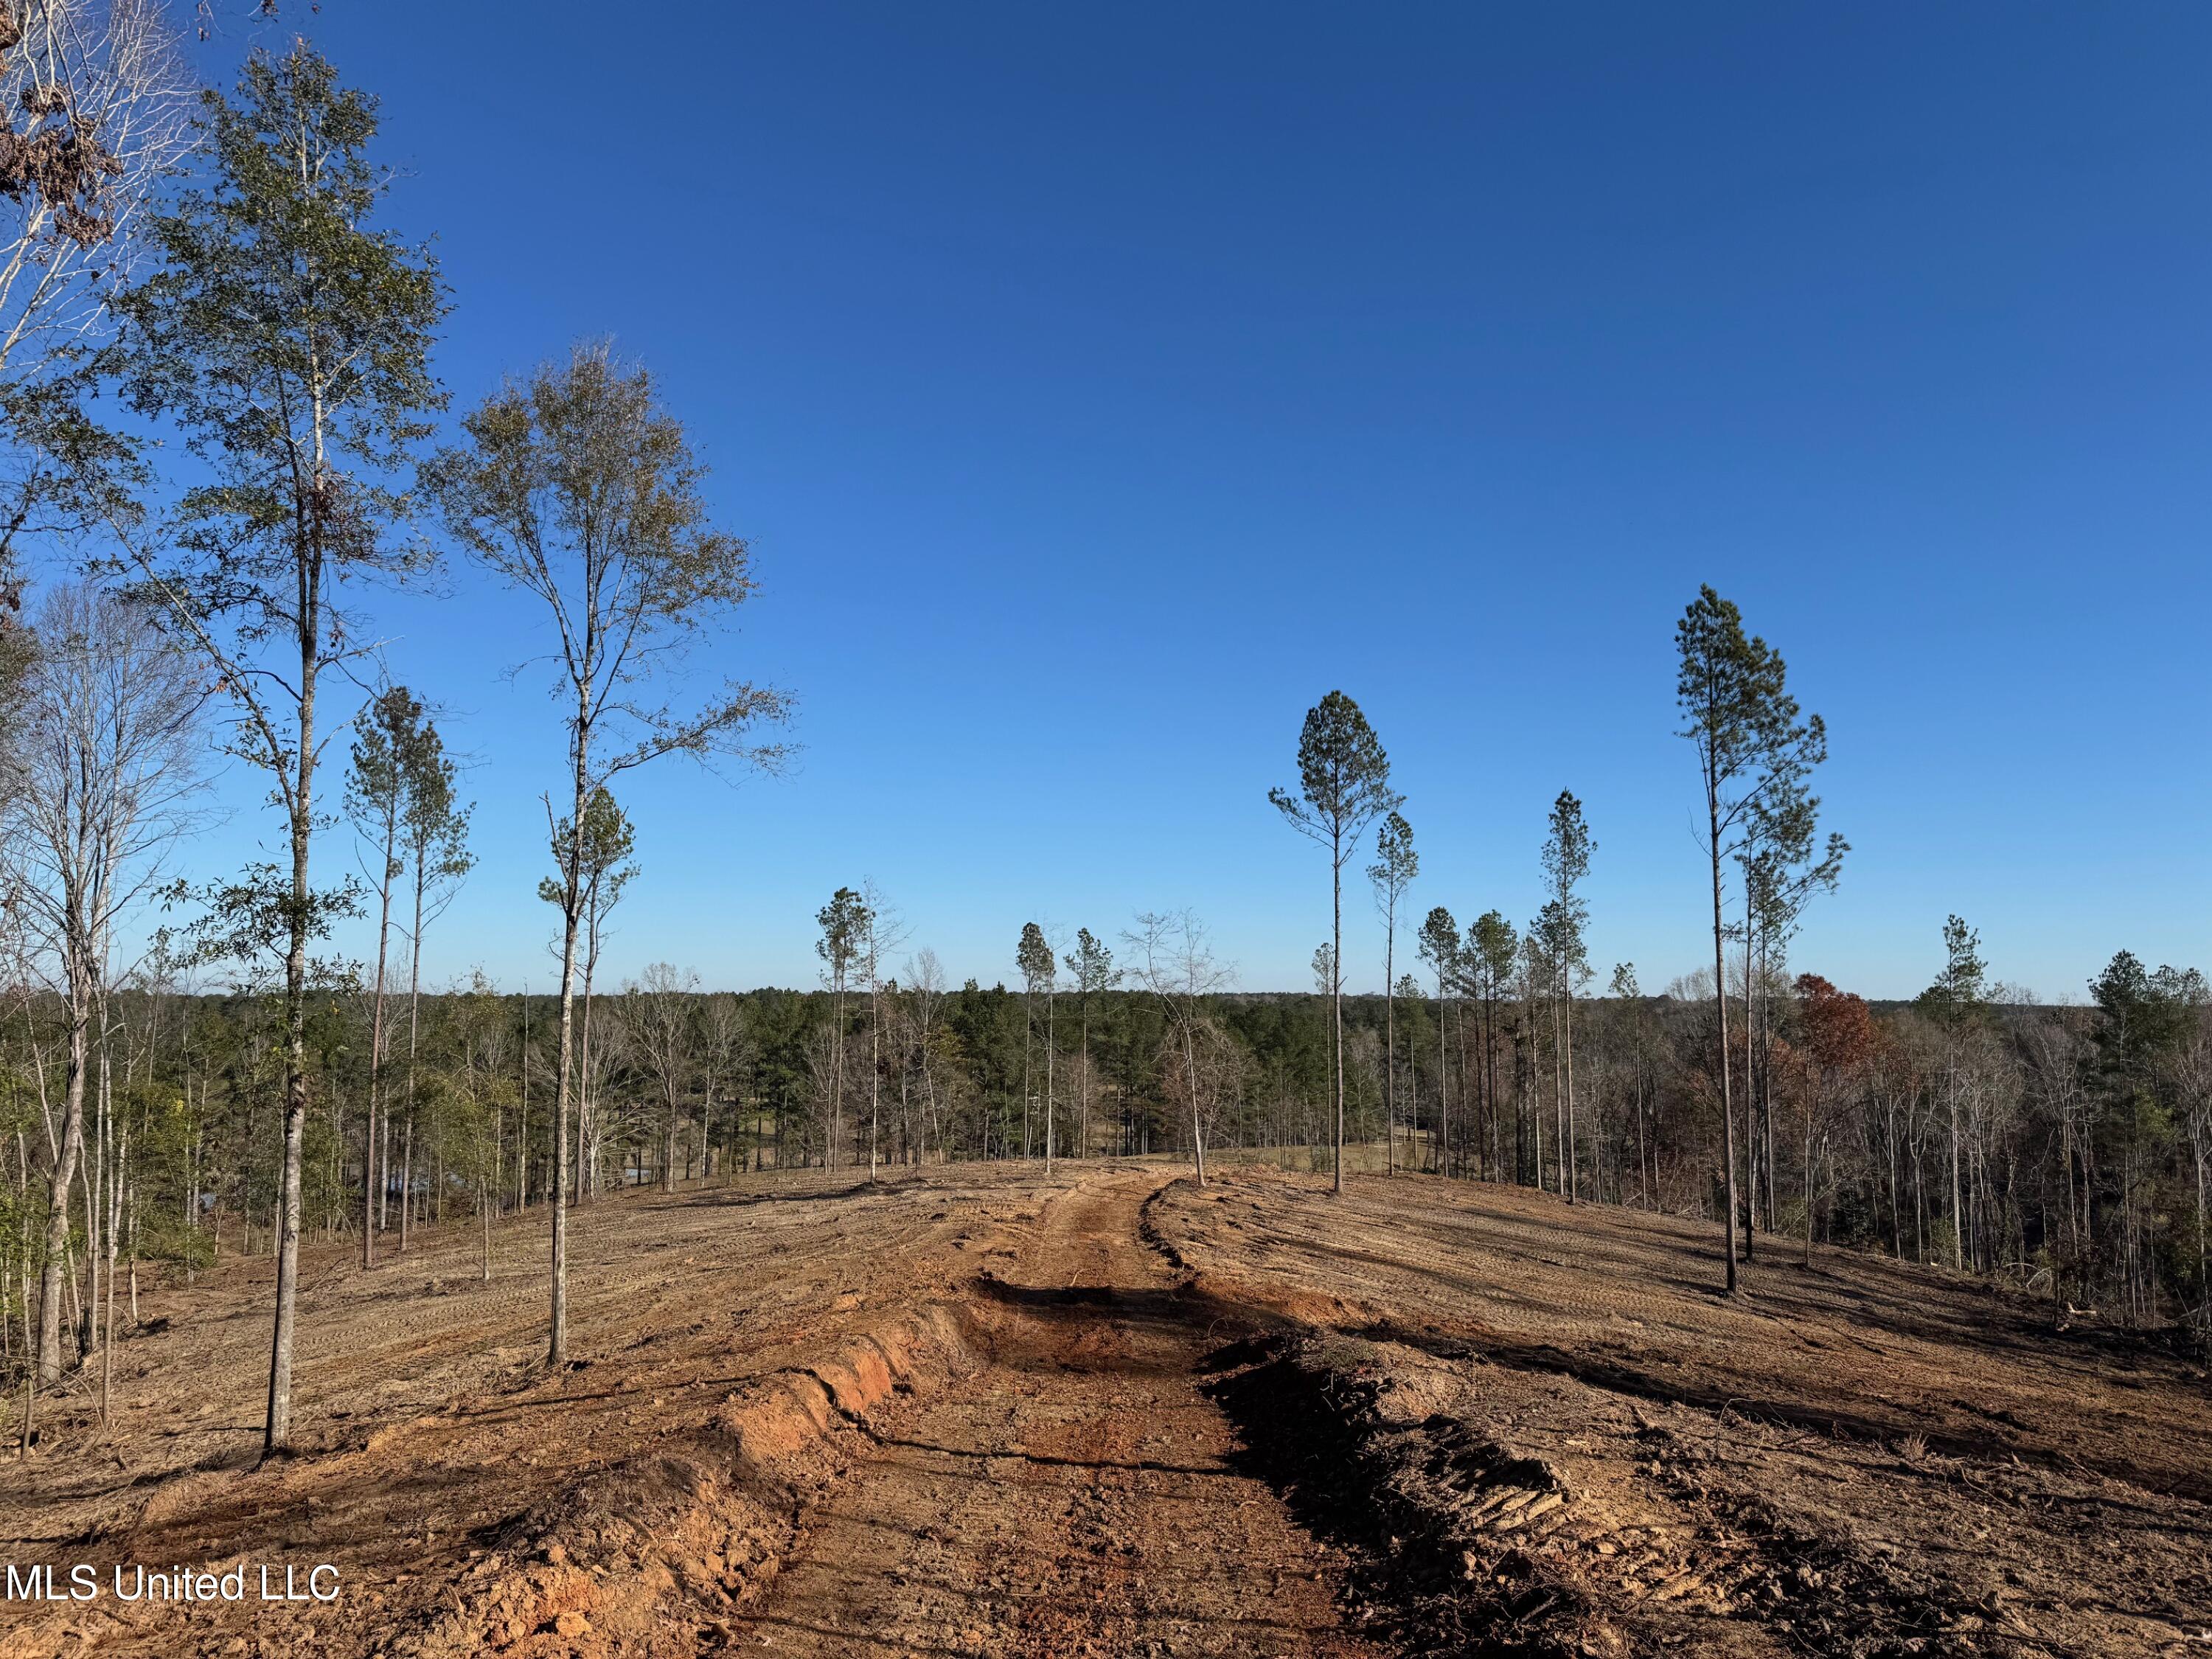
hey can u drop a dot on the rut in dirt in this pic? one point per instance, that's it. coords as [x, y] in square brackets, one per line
[1078, 1495]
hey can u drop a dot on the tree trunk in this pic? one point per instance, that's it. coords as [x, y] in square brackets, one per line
[368, 1165]
[1750, 1129]
[1390, 1040]
[413, 1030]
[1720, 1000]
[1444, 1084]
[1567, 1035]
[556, 1348]
[66, 1159]
[277, 1431]
[1336, 986]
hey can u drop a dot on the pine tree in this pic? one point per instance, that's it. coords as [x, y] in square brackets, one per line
[1439, 947]
[1344, 786]
[1566, 860]
[1395, 867]
[1742, 722]
[1093, 964]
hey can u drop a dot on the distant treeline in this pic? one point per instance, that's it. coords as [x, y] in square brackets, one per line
[2062, 1149]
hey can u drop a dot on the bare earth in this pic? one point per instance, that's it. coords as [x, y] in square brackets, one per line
[985, 1411]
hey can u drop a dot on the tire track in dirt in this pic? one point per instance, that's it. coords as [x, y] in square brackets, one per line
[1080, 1495]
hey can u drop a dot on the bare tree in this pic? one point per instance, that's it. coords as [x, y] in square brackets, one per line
[725, 1045]
[926, 990]
[95, 110]
[105, 101]
[106, 762]
[602, 856]
[1173, 959]
[660, 1016]
[577, 488]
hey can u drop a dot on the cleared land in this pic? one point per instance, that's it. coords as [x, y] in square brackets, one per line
[982, 1411]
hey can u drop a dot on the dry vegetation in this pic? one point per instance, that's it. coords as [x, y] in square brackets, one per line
[979, 1412]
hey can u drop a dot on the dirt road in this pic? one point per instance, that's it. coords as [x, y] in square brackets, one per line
[1076, 1494]
[984, 1410]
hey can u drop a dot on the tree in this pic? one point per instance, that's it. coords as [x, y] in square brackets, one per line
[1954, 1001]
[844, 922]
[1344, 786]
[1783, 869]
[576, 488]
[1629, 994]
[1492, 949]
[384, 733]
[104, 762]
[1439, 948]
[1839, 1038]
[1324, 969]
[95, 112]
[1396, 865]
[1739, 717]
[1175, 964]
[878, 934]
[1033, 954]
[601, 857]
[661, 1013]
[289, 342]
[728, 1039]
[1566, 855]
[1093, 964]
[436, 834]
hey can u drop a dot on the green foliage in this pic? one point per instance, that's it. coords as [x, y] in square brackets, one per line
[1093, 964]
[630, 588]
[289, 339]
[250, 923]
[596, 862]
[1396, 863]
[1494, 948]
[844, 922]
[1566, 856]
[2144, 1017]
[1033, 957]
[1343, 777]
[1957, 994]
[1438, 941]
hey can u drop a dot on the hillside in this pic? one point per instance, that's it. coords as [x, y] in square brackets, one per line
[984, 1412]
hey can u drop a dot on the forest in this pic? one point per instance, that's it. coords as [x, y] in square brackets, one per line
[2060, 1149]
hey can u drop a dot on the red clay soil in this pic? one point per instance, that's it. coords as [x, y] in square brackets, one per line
[1854, 1458]
[1078, 1495]
[431, 1443]
[979, 1412]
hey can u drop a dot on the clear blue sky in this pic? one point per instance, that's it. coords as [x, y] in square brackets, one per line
[1098, 387]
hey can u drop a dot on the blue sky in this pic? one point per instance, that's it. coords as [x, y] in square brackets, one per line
[1099, 387]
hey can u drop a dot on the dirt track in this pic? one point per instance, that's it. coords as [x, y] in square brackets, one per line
[1074, 1496]
[982, 1411]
